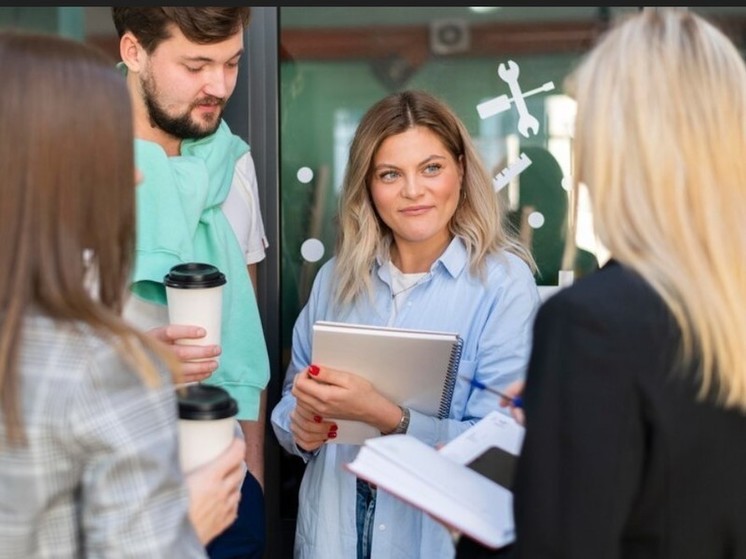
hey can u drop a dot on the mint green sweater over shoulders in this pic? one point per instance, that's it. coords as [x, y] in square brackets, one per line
[180, 219]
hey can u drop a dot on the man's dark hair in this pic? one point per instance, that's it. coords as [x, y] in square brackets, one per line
[152, 26]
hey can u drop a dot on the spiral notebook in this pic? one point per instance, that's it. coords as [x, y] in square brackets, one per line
[414, 368]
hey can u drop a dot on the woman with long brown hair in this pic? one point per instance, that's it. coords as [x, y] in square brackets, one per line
[88, 440]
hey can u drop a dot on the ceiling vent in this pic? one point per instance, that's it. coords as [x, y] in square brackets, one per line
[449, 36]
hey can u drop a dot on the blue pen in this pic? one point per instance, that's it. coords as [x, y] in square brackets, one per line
[516, 401]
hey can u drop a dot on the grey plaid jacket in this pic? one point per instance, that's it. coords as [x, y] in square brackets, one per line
[99, 476]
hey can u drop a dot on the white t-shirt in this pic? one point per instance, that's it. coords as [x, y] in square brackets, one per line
[241, 208]
[401, 286]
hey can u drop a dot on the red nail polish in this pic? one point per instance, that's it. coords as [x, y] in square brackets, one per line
[317, 418]
[332, 434]
[313, 370]
[333, 427]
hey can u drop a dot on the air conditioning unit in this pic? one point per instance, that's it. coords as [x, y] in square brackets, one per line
[449, 36]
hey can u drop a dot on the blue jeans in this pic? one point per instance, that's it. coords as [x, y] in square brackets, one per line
[365, 511]
[245, 538]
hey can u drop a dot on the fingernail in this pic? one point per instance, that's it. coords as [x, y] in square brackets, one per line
[313, 370]
[317, 418]
[332, 434]
[333, 427]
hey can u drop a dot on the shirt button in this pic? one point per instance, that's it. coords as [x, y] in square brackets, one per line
[381, 527]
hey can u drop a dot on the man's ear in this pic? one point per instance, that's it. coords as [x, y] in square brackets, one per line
[131, 52]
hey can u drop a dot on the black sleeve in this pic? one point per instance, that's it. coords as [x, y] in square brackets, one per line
[469, 549]
[580, 463]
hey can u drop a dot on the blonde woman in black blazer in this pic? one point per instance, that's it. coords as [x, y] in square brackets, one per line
[635, 394]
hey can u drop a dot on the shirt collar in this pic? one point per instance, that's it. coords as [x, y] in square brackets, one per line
[453, 260]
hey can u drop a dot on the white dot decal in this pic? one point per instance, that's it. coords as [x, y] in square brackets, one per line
[305, 175]
[535, 219]
[312, 250]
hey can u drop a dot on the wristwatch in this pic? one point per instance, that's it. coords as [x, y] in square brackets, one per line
[403, 425]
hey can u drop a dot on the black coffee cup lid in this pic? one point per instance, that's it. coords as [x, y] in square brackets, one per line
[194, 275]
[203, 401]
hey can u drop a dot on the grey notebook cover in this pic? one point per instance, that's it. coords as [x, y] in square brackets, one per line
[414, 368]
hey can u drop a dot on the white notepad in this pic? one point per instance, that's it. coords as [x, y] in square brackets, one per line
[445, 483]
[413, 368]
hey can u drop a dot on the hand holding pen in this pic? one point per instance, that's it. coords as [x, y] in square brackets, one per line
[511, 396]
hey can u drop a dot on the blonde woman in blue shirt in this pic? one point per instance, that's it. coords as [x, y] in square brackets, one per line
[421, 245]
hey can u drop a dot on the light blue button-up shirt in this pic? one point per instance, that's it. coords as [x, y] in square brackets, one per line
[494, 315]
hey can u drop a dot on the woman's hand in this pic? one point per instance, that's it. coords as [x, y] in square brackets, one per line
[329, 393]
[514, 389]
[310, 431]
[215, 490]
[198, 362]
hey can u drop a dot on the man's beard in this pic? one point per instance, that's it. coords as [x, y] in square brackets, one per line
[181, 126]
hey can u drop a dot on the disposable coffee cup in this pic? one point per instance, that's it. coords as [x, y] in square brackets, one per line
[207, 424]
[194, 294]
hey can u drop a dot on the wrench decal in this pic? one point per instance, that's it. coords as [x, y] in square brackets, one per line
[502, 103]
[526, 121]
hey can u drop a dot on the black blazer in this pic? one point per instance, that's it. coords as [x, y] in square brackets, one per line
[620, 459]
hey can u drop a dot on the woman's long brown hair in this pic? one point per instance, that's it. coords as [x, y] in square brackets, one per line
[67, 185]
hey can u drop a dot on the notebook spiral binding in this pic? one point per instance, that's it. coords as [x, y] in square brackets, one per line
[450, 383]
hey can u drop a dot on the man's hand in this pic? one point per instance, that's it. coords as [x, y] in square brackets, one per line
[198, 362]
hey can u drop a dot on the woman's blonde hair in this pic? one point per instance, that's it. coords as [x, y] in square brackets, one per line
[363, 235]
[660, 142]
[68, 200]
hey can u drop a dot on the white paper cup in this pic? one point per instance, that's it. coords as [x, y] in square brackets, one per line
[206, 424]
[194, 293]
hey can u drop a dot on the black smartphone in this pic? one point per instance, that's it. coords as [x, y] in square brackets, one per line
[496, 464]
